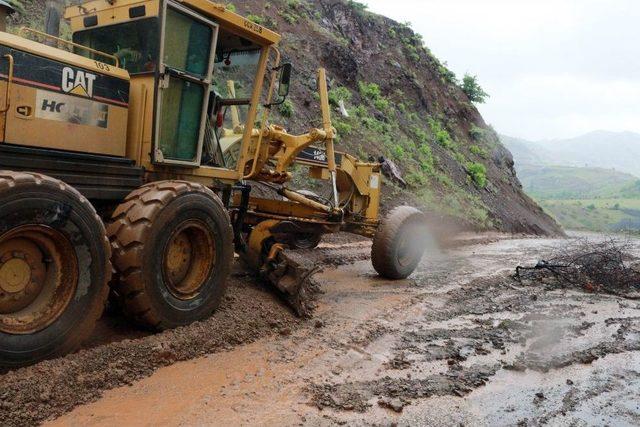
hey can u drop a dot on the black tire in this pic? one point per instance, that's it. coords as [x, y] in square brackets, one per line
[305, 240]
[143, 231]
[400, 243]
[51, 228]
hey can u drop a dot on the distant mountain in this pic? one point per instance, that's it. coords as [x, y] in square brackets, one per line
[591, 182]
[525, 152]
[599, 149]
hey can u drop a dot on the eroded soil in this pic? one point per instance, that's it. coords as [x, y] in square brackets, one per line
[458, 343]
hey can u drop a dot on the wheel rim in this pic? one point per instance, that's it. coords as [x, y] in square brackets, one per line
[188, 259]
[38, 278]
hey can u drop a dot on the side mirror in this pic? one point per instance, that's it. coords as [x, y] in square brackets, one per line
[285, 80]
[283, 85]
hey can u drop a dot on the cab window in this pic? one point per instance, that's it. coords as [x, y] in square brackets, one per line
[134, 43]
[234, 77]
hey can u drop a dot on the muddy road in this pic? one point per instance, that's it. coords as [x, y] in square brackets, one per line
[459, 343]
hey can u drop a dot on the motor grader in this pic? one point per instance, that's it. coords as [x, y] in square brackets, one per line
[127, 161]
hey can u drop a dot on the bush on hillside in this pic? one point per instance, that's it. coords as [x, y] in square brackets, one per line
[473, 90]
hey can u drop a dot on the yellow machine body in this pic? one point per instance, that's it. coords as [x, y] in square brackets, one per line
[139, 81]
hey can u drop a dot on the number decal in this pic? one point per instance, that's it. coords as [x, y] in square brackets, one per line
[102, 66]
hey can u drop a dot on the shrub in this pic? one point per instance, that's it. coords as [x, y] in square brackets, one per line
[289, 18]
[420, 134]
[412, 50]
[479, 151]
[293, 4]
[473, 90]
[338, 94]
[357, 6]
[441, 135]
[445, 180]
[369, 90]
[256, 19]
[372, 92]
[286, 108]
[447, 75]
[478, 173]
[477, 133]
[381, 104]
[231, 7]
[415, 179]
[398, 152]
[373, 124]
[342, 128]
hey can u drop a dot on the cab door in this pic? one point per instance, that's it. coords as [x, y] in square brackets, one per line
[6, 77]
[186, 64]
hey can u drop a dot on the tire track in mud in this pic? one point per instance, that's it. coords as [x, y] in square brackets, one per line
[483, 327]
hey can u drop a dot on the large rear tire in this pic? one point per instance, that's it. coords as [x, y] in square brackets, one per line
[172, 249]
[54, 268]
[399, 244]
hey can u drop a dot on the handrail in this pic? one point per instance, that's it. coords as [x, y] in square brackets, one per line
[7, 96]
[265, 116]
[114, 58]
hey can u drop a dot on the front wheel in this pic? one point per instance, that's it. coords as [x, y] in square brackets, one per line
[399, 244]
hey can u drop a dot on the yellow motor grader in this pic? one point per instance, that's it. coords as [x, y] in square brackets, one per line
[127, 160]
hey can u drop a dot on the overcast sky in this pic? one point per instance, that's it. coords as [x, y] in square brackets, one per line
[553, 68]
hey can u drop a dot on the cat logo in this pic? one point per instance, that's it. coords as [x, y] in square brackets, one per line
[77, 82]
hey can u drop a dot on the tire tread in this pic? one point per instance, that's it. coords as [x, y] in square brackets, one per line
[384, 242]
[126, 233]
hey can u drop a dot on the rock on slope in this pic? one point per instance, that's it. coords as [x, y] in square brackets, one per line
[403, 104]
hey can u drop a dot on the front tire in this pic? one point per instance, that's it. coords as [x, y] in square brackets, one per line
[54, 268]
[172, 248]
[399, 244]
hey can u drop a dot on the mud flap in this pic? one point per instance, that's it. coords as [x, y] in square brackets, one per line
[291, 274]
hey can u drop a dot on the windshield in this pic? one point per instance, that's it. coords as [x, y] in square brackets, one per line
[135, 44]
[237, 70]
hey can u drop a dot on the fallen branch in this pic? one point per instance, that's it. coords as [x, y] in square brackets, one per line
[601, 267]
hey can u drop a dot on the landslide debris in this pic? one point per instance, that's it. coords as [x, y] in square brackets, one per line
[596, 267]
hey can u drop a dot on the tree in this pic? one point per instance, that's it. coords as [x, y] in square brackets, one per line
[473, 90]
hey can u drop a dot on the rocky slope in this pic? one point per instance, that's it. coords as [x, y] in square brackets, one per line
[403, 104]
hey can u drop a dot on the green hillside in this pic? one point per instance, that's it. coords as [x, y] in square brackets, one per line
[585, 198]
[562, 182]
[610, 215]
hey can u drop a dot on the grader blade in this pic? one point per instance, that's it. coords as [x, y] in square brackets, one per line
[291, 273]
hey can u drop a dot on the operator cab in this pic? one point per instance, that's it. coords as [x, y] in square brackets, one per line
[204, 63]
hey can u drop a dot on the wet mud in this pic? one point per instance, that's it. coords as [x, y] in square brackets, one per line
[460, 342]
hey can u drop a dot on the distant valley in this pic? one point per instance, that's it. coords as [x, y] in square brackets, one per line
[587, 183]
